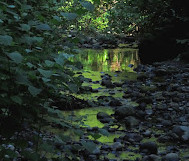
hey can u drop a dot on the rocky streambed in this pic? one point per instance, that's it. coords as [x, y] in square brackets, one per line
[149, 118]
[138, 115]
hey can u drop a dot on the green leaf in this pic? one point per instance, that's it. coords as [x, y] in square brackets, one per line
[59, 60]
[6, 40]
[95, 135]
[69, 16]
[25, 27]
[88, 5]
[49, 63]
[1, 21]
[90, 146]
[45, 80]
[31, 40]
[16, 57]
[57, 18]
[45, 73]
[34, 91]
[22, 78]
[73, 87]
[44, 27]
[30, 65]
[16, 99]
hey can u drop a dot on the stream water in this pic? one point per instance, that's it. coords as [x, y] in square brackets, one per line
[119, 64]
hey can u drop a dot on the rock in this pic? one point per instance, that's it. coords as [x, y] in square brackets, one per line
[122, 112]
[104, 117]
[149, 147]
[171, 157]
[160, 72]
[117, 146]
[182, 132]
[147, 133]
[151, 157]
[142, 77]
[115, 102]
[133, 137]
[107, 83]
[146, 100]
[96, 151]
[117, 84]
[131, 121]
[87, 46]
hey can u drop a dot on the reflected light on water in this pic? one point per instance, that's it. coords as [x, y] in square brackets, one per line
[108, 59]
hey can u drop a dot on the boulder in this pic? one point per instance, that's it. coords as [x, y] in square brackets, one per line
[123, 112]
[182, 132]
[104, 117]
[131, 121]
[171, 157]
[149, 148]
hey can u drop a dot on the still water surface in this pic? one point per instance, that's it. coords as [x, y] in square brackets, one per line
[107, 60]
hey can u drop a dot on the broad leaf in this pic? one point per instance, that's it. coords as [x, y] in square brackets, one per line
[30, 65]
[90, 146]
[69, 16]
[45, 27]
[45, 73]
[21, 78]
[16, 99]
[45, 80]
[49, 63]
[34, 91]
[88, 5]
[16, 57]
[73, 87]
[6, 40]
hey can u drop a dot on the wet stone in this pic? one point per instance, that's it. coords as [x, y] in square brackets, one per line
[171, 157]
[149, 148]
[151, 157]
[115, 103]
[131, 121]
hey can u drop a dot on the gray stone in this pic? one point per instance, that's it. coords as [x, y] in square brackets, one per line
[151, 157]
[171, 157]
[131, 121]
[182, 132]
[117, 146]
[104, 117]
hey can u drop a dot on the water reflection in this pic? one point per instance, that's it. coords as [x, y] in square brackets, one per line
[108, 59]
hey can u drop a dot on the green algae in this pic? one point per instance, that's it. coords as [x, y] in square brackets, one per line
[124, 155]
[130, 155]
[91, 113]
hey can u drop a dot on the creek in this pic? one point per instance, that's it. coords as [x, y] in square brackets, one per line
[117, 63]
[130, 115]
